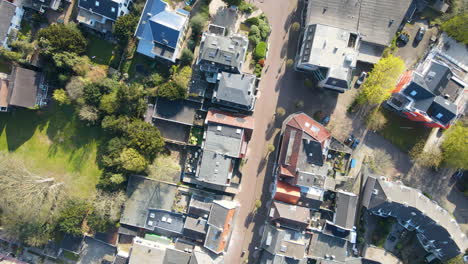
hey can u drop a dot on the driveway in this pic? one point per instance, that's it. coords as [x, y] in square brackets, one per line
[413, 51]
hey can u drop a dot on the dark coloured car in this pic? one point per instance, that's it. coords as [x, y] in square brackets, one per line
[403, 38]
[420, 34]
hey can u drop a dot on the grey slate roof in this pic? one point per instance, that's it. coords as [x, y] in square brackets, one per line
[224, 139]
[225, 52]
[236, 90]
[174, 256]
[220, 223]
[7, 10]
[215, 168]
[322, 245]
[200, 206]
[195, 228]
[268, 258]
[107, 8]
[435, 226]
[346, 206]
[284, 242]
[146, 251]
[371, 18]
[144, 194]
[179, 111]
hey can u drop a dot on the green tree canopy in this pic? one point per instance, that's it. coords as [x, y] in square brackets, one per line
[197, 23]
[455, 146]
[382, 79]
[260, 51]
[457, 27]
[177, 87]
[71, 217]
[124, 26]
[131, 101]
[232, 2]
[58, 38]
[61, 96]
[144, 137]
[132, 160]
[187, 57]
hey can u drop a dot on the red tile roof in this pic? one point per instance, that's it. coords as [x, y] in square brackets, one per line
[287, 193]
[231, 119]
[311, 127]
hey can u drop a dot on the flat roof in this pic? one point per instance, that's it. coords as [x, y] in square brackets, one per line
[329, 48]
[164, 220]
[215, 168]
[322, 245]
[180, 111]
[25, 85]
[224, 139]
[144, 194]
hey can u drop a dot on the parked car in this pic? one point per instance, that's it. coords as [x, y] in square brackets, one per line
[420, 34]
[361, 79]
[403, 38]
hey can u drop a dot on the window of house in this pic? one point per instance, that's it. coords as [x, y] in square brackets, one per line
[413, 93]
[113, 10]
[439, 115]
[97, 3]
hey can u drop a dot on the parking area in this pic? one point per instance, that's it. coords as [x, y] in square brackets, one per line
[413, 51]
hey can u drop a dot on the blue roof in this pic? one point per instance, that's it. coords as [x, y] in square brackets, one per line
[164, 26]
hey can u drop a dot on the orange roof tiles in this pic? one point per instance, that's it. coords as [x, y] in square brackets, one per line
[404, 80]
[287, 193]
[313, 128]
[235, 120]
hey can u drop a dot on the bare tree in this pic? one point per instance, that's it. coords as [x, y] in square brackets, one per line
[380, 161]
[109, 205]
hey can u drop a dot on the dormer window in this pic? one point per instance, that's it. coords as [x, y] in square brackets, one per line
[413, 93]
[113, 9]
[97, 3]
[439, 115]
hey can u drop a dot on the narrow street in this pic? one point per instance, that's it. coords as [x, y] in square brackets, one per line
[256, 175]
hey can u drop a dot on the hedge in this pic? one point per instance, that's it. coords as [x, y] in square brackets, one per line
[260, 51]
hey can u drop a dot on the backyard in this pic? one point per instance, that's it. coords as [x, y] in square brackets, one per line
[402, 132]
[142, 66]
[102, 52]
[53, 143]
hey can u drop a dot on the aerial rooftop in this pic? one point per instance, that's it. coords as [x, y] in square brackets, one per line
[236, 90]
[215, 168]
[224, 139]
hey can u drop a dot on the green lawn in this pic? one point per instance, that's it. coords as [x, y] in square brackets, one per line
[402, 132]
[104, 52]
[5, 66]
[54, 143]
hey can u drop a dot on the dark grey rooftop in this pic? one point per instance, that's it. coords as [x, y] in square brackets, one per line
[224, 139]
[236, 90]
[144, 194]
[172, 131]
[220, 225]
[180, 111]
[174, 256]
[165, 221]
[106, 8]
[345, 212]
[195, 228]
[440, 231]
[25, 85]
[322, 245]
[215, 168]
[7, 10]
[95, 251]
[268, 258]
[200, 206]
[226, 51]
[376, 21]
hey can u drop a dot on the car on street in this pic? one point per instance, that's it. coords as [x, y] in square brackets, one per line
[420, 34]
[361, 79]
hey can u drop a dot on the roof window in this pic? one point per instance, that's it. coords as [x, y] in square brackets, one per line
[439, 115]
[97, 3]
[413, 93]
[113, 10]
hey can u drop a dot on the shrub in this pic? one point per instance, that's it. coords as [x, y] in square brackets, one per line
[254, 40]
[253, 21]
[254, 30]
[295, 26]
[186, 57]
[289, 63]
[61, 96]
[260, 51]
[280, 111]
[197, 23]
[376, 120]
[457, 27]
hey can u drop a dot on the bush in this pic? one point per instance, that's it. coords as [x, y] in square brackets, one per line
[253, 21]
[60, 37]
[254, 40]
[186, 57]
[72, 216]
[289, 63]
[280, 111]
[197, 23]
[258, 70]
[295, 26]
[376, 120]
[61, 96]
[246, 7]
[254, 30]
[260, 51]
[457, 27]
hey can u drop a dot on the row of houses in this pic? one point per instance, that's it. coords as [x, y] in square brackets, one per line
[312, 219]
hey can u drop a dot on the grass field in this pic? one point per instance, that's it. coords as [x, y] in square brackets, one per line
[103, 51]
[402, 132]
[53, 143]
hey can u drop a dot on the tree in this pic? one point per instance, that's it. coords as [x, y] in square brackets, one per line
[431, 159]
[182, 77]
[197, 23]
[125, 26]
[61, 96]
[280, 111]
[232, 2]
[177, 87]
[92, 94]
[75, 88]
[380, 161]
[131, 100]
[58, 38]
[270, 148]
[254, 31]
[10, 55]
[89, 113]
[382, 79]
[106, 209]
[110, 158]
[23, 46]
[109, 103]
[72, 216]
[455, 146]
[457, 27]
[260, 51]
[132, 160]
[376, 120]
[29, 203]
[70, 61]
[299, 104]
[144, 137]
[289, 63]
[295, 26]
[257, 205]
[187, 57]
